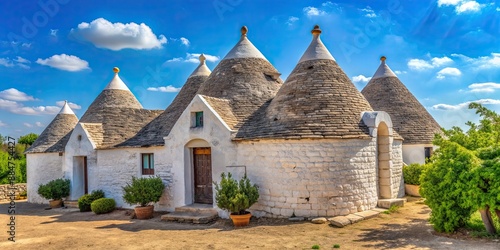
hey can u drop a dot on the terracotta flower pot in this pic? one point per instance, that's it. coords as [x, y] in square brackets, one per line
[144, 213]
[412, 190]
[55, 203]
[241, 220]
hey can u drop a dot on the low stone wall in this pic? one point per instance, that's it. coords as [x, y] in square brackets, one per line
[4, 190]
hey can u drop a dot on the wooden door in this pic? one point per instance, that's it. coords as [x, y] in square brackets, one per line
[202, 162]
[85, 176]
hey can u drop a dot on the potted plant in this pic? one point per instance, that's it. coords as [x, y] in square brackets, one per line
[54, 191]
[236, 197]
[144, 192]
[411, 174]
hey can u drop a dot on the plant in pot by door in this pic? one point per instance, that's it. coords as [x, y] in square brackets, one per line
[411, 174]
[144, 192]
[54, 191]
[236, 197]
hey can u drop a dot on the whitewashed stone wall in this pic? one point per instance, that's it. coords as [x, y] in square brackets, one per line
[415, 153]
[397, 169]
[116, 167]
[312, 177]
[40, 169]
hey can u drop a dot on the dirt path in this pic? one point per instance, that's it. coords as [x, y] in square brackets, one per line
[37, 228]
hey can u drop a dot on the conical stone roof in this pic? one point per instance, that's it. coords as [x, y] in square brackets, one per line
[153, 133]
[55, 136]
[118, 111]
[244, 78]
[409, 118]
[317, 100]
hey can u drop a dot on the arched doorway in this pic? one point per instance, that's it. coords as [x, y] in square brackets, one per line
[384, 161]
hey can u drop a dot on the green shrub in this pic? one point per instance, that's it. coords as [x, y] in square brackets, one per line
[143, 191]
[103, 205]
[315, 247]
[87, 199]
[24, 193]
[55, 189]
[336, 246]
[233, 196]
[412, 173]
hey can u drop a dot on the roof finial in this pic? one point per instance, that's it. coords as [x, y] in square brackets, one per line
[202, 59]
[382, 58]
[244, 31]
[116, 70]
[316, 30]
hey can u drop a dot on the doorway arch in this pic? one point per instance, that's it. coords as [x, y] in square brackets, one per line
[384, 161]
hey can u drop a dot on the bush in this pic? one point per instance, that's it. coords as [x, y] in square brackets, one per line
[87, 199]
[143, 191]
[233, 196]
[55, 189]
[103, 205]
[412, 173]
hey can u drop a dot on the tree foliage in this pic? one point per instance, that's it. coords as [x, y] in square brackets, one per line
[143, 191]
[463, 174]
[235, 196]
[27, 139]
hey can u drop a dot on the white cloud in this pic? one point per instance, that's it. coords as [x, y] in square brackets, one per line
[28, 125]
[291, 20]
[448, 2]
[469, 6]
[117, 36]
[64, 62]
[13, 94]
[19, 61]
[448, 71]
[419, 64]
[19, 108]
[399, 72]
[185, 41]
[482, 62]
[327, 4]
[313, 11]
[39, 124]
[465, 105]
[485, 87]
[169, 89]
[2, 124]
[193, 58]
[462, 6]
[497, 9]
[368, 12]
[70, 104]
[53, 32]
[361, 79]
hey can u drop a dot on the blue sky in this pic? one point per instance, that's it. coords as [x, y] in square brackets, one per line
[446, 51]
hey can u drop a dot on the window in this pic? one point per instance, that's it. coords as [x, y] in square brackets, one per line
[198, 119]
[428, 153]
[148, 164]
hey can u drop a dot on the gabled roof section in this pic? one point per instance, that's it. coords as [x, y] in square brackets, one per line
[152, 134]
[56, 135]
[244, 48]
[409, 118]
[245, 80]
[318, 100]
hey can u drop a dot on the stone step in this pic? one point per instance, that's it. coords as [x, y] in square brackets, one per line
[191, 217]
[71, 204]
[387, 203]
[196, 208]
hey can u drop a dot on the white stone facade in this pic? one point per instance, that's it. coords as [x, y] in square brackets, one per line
[42, 168]
[415, 153]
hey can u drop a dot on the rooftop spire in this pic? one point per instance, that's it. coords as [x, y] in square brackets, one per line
[66, 110]
[316, 49]
[116, 82]
[202, 69]
[383, 70]
[244, 48]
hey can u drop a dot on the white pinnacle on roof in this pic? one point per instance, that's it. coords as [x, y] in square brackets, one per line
[316, 49]
[383, 70]
[66, 110]
[116, 82]
[244, 48]
[202, 69]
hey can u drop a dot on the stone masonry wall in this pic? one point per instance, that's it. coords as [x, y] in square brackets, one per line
[311, 177]
[4, 190]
